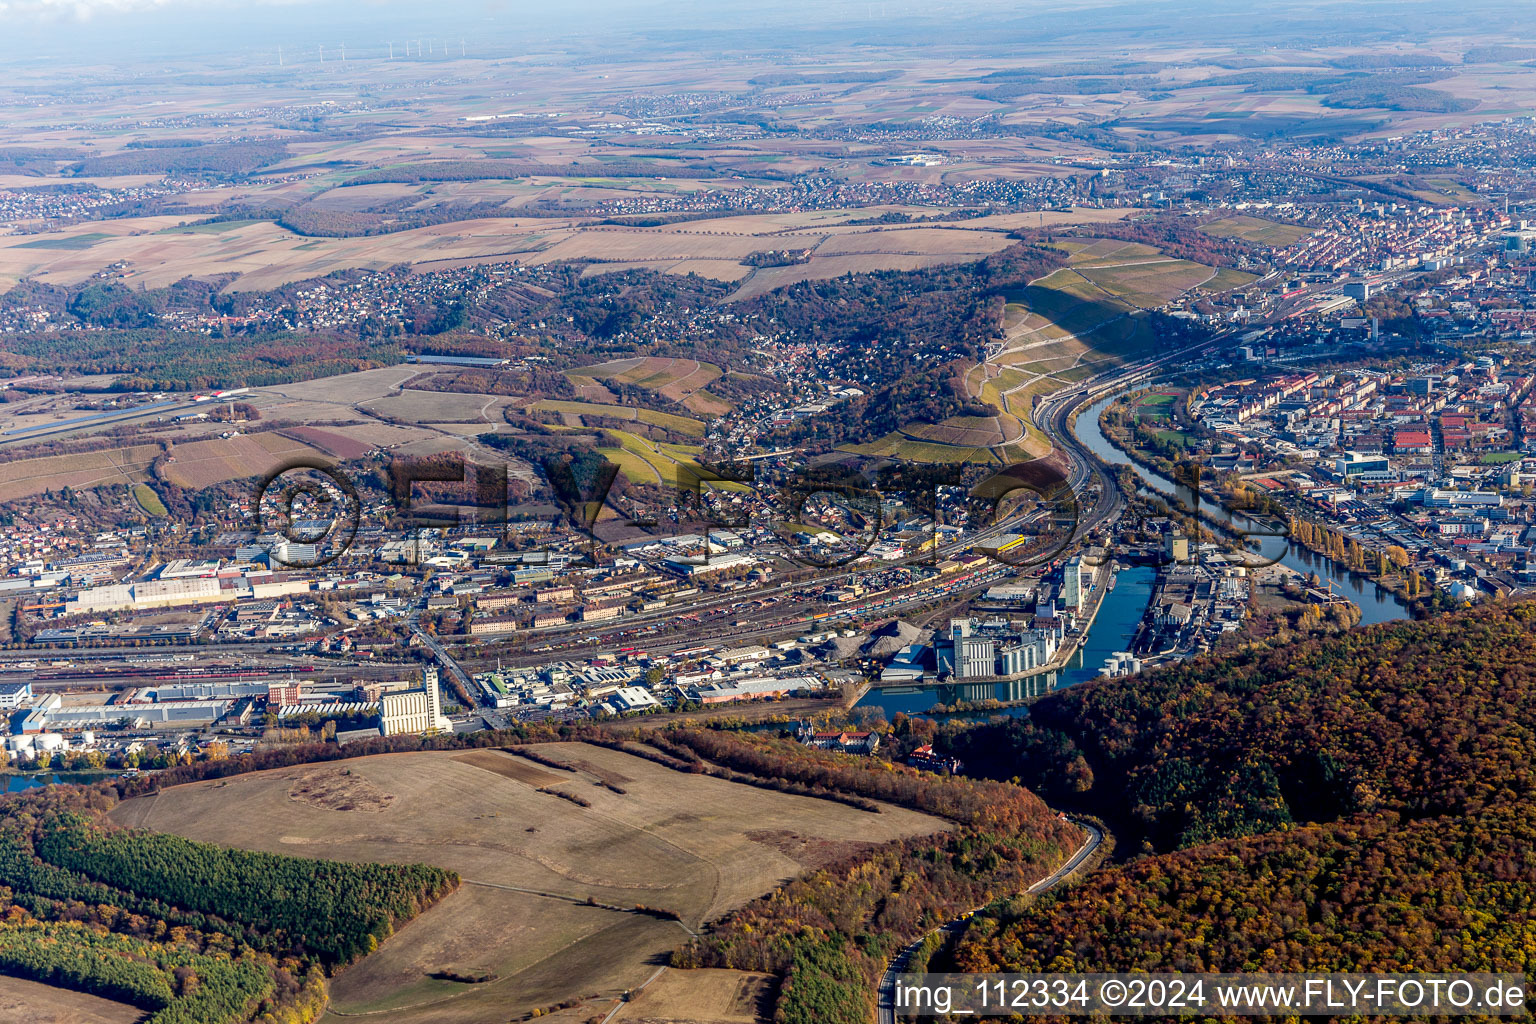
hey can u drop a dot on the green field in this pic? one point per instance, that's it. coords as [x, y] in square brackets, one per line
[1106, 329]
[1158, 402]
[1256, 230]
[65, 242]
[671, 465]
[148, 500]
[680, 424]
[216, 228]
[1227, 279]
[899, 446]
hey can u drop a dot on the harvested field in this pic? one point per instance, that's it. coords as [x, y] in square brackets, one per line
[339, 790]
[26, 477]
[35, 1003]
[347, 388]
[681, 380]
[383, 435]
[538, 951]
[337, 445]
[530, 861]
[438, 407]
[605, 774]
[916, 241]
[509, 767]
[579, 410]
[157, 251]
[205, 463]
[766, 279]
[702, 997]
[812, 852]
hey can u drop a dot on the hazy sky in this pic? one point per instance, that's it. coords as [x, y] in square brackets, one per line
[83, 30]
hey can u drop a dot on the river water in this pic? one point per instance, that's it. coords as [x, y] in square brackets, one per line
[1113, 629]
[1376, 603]
[1115, 625]
[17, 783]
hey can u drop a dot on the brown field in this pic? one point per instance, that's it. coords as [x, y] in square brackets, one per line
[205, 463]
[346, 388]
[951, 432]
[338, 445]
[681, 380]
[916, 241]
[701, 997]
[438, 407]
[512, 767]
[383, 435]
[35, 1003]
[766, 279]
[574, 412]
[92, 469]
[339, 790]
[158, 251]
[530, 862]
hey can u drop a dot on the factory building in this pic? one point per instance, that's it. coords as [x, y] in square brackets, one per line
[415, 710]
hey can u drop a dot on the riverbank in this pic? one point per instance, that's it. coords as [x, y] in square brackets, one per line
[1114, 625]
[20, 781]
[1376, 603]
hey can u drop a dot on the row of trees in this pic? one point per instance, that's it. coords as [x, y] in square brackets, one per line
[972, 802]
[153, 359]
[225, 160]
[830, 934]
[333, 911]
[1389, 565]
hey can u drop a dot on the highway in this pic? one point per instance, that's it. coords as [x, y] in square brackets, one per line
[1055, 411]
[886, 1007]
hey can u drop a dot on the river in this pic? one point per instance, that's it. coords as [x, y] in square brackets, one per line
[1377, 604]
[1116, 623]
[15, 783]
[1112, 630]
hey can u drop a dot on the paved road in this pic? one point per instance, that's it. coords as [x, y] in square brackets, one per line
[886, 1012]
[443, 657]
